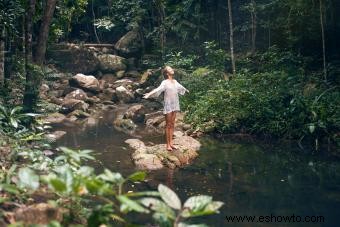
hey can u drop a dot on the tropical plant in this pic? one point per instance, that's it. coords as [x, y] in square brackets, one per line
[78, 186]
[13, 119]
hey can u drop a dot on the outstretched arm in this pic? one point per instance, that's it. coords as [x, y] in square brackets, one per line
[155, 92]
[181, 90]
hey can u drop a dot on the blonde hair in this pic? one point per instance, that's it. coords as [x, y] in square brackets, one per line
[165, 71]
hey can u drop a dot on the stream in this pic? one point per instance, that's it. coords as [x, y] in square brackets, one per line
[250, 178]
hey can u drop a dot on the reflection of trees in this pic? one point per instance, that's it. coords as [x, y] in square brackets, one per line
[170, 178]
[231, 182]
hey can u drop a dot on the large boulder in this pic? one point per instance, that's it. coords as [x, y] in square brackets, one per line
[109, 78]
[73, 58]
[70, 105]
[124, 95]
[88, 83]
[131, 44]
[111, 63]
[77, 94]
[136, 113]
[151, 77]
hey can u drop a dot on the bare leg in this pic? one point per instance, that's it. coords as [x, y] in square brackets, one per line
[173, 119]
[168, 131]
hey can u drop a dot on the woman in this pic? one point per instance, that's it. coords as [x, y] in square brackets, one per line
[171, 90]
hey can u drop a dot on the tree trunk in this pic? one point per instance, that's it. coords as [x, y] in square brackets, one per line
[323, 40]
[162, 36]
[29, 95]
[231, 36]
[253, 27]
[94, 18]
[44, 30]
[2, 57]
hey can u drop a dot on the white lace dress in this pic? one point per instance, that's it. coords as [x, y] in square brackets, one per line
[171, 90]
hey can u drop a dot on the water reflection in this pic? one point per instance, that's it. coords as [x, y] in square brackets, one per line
[250, 179]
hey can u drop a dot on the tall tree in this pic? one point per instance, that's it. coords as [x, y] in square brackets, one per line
[2, 57]
[30, 93]
[44, 30]
[231, 37]
[323, 40]
[162, 30]
[253, 25]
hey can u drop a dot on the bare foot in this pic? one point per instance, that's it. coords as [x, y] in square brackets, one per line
[169, 148]
[173, 147]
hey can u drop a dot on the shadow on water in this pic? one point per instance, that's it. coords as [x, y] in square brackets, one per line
[250, 179]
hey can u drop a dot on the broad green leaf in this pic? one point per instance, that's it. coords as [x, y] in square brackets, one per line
[15, 109]
[58, 185]
[162, 219]
[158, 206]
[137, 176]
[9, 188]
[28, 178]
[197, 203]
[85, 171]
[132, 205]
[214, 206]
[66, 175]
[111, 177]
[2, 200]
[169, 197]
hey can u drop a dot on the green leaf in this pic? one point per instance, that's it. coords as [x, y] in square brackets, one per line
[311, 128]
[162, 219]
[145, 193]
[85, 171]
[169, 197]
[131, 205]
[14, 122]
[111, 177]
[9, 188]
[28, 178]
[58, 185]
[213, 206]
[197, 203]
[137, 176]
[158, 206]
[15, 109]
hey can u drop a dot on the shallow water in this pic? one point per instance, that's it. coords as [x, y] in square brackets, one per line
[251, 179]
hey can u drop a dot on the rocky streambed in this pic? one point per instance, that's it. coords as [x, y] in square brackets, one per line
[115, 84]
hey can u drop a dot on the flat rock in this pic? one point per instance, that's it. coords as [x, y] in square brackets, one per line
[55, 135]
[156, 156]
[55, 118]
[41, 213]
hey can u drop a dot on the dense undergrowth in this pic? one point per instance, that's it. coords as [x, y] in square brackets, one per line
[276, 94]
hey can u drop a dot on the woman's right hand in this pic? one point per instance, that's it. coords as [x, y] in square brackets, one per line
[145, 96]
